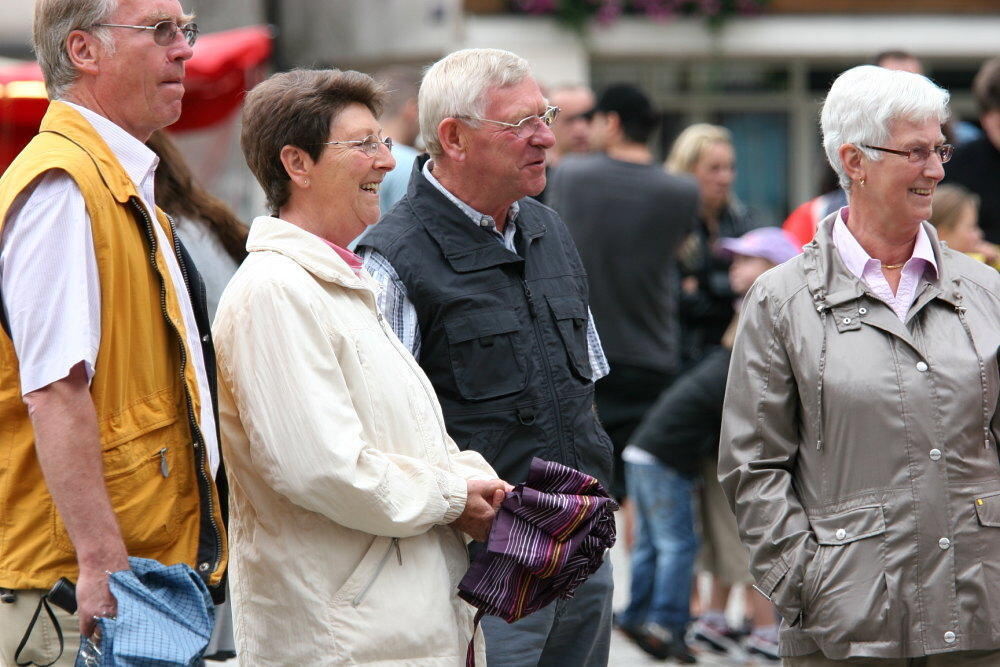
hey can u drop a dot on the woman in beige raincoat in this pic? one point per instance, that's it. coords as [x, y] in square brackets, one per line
[349, 500]
[859, 439]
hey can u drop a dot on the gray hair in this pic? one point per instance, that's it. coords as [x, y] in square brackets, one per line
[864, 101]
[54, 21]
[456, 85]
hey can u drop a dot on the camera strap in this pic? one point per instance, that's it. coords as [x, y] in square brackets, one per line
[42, 603]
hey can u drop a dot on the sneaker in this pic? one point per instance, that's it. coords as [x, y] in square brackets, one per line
[765, 647]
[715, 637]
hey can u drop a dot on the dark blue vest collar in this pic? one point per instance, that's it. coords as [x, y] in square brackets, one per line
[466, 246]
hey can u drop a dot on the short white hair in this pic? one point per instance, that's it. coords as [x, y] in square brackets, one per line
[457, 84]
[864, 101]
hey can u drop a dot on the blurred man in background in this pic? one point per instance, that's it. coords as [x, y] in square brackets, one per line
[628, 218]
[898, 59]
[399, 121]
[572, 125]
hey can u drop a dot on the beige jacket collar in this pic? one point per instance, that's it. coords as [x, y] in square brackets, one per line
[307, 250]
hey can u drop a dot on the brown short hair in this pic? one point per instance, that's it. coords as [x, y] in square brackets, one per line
[295, 109]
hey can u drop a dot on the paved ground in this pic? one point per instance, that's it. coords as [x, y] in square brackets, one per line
[625, 654]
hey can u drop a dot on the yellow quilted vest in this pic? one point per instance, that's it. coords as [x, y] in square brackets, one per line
[155, 467]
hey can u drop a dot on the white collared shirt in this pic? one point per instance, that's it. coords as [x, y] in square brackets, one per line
[51, 284]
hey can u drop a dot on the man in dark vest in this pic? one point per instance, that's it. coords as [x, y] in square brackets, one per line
[486, 287]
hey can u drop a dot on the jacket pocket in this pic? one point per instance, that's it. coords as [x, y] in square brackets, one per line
[988, 510]
[367, 586]
[142, 479]
[485, 358]
[354, 590]
[570, 315]
[845, 595]
[397, 604]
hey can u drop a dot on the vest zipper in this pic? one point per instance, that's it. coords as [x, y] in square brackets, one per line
[378, 570]
[204, 482]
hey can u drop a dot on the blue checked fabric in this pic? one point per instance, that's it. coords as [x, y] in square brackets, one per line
[165, 619]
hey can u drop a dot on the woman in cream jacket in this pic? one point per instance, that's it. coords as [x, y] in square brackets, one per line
[348, 499]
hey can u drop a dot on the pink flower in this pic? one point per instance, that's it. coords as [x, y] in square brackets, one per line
[609, 10]
[710, 7]
[537, 6]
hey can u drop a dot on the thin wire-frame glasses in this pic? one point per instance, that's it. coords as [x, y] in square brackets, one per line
[921, 154]
[164, 32]
[528, 125]
[369, 145]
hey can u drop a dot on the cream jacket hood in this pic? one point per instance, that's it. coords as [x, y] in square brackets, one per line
[343, 479]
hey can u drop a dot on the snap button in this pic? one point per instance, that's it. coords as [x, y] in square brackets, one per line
[944, 543]
[847, 320]
[204, 339]
[935, 454]
[862, 310]
[949, 637]
[840, 534]
[922, 366]
[203, 567]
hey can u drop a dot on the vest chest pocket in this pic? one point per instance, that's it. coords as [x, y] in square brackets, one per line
[485, 359]
[570, 314]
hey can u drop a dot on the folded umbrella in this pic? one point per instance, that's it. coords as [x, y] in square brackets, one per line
[165, 618]
[548, 537]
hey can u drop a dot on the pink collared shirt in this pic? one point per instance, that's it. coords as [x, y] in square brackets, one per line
[352, 260]
[869, 270]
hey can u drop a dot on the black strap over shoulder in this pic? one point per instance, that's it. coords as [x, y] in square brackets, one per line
[3, 316]
[42, 603]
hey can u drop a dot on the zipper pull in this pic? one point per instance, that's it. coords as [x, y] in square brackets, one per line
[399, 553]
[531, 302]
[164, 467]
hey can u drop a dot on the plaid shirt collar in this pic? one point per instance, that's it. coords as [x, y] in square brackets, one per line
[479, 219]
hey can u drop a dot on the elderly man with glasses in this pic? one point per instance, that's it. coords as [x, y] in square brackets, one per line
[486, 288]
[109, 432]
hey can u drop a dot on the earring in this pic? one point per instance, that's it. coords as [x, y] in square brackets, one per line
[306, 182]
[862, 182]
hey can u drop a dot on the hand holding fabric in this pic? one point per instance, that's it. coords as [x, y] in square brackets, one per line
[483, 500]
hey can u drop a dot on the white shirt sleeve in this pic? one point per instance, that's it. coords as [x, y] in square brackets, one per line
[50, 283]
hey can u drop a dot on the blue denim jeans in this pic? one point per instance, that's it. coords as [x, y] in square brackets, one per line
[665, 546]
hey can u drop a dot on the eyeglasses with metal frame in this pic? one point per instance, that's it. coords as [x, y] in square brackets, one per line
[921, 154]
[525, 127]
[164, 32]
[369, 145]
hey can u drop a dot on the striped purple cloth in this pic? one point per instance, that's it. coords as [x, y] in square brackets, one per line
[550, 535]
